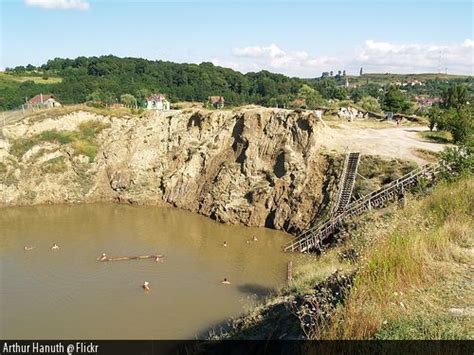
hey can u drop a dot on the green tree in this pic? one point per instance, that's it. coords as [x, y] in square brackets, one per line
[460, 123]
[128, 100]
[312, 97]
[395, 100]
[370, 103]
[436, 118]
[455, 96]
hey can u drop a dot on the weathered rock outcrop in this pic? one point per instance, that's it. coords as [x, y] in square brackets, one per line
[259, 167]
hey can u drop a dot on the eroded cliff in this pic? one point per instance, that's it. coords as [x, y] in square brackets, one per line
[259, 167]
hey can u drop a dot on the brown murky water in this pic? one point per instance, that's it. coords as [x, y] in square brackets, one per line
[47, 294]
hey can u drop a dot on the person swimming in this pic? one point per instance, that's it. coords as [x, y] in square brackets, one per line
[225, 245]
[55, 247]
[102, 257]
[225, 281]
[254, 238]
[26, 248]
[146, 286]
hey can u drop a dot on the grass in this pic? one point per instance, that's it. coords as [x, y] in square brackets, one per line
[441, 137]
[377, 171]
[426, 326]
[408, 271]
[383, 79]
[35, 79]
[427, 155]
[312, 271]
[42, 114]
[82, 140]
[54, 166]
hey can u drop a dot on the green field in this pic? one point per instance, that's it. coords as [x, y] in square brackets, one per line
[4, 78]
[387, 78]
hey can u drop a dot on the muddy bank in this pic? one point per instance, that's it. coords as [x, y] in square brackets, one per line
[258, 167]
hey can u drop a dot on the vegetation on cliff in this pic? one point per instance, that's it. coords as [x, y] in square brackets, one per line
[83, 140]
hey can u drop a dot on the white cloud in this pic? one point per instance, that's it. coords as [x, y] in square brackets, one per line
[271, 51]
[59, 4]
[274, 58]
[468, 43]
[416, 57]
[373, 56]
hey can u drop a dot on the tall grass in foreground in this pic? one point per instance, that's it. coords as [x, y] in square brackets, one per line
[402, 278]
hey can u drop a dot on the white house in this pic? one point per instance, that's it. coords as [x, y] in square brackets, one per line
[157, 102]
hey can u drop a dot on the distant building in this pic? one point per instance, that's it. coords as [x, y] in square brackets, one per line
[426, 101]
[157, 102]
[298, 103]
[415, 83]
[43, 101]
[216, 101]
[116, 105]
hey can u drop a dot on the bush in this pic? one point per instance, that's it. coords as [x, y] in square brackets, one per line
[370, 103]
[458, 161]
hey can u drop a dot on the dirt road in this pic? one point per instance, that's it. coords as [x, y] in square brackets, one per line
[400, 142]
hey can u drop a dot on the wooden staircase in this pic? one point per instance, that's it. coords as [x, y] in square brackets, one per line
[348, 176]
[313, 238]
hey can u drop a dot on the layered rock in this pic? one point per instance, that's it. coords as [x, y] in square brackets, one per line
[259, 167]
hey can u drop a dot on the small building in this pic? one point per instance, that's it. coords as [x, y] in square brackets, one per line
[43, 101]
[157, 102]
[216, 101]
[298, 103]
[426, 101]
[116, 105]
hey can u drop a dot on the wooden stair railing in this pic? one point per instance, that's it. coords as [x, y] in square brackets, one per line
[313, 238]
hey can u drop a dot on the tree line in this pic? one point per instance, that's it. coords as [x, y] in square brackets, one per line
[110, 79]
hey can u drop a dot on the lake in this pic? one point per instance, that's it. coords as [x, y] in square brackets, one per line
[67, 293]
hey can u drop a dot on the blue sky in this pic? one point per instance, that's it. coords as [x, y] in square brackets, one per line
[301, 38]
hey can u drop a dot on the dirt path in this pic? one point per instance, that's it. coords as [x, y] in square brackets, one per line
[400, 142]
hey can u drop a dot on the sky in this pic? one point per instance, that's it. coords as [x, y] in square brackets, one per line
[296, 38]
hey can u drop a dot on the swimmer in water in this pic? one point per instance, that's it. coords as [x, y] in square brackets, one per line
[146, 286]
[254, 238]
[55, 247]
[225, 281]
[28, 248]
[103, 257]
[225, 245]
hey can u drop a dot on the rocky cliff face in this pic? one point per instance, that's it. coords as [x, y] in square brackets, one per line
[259, 167]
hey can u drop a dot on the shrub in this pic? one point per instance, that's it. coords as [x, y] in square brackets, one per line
[54, 166]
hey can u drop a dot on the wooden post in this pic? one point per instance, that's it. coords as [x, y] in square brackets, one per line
[402, 202]
[290, 271]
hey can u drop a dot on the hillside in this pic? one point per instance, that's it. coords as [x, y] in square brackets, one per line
[387, 78]
[106, 78]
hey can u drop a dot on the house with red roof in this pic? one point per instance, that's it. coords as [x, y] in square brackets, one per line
[157, 102]
[43, 101]
[216, 101]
